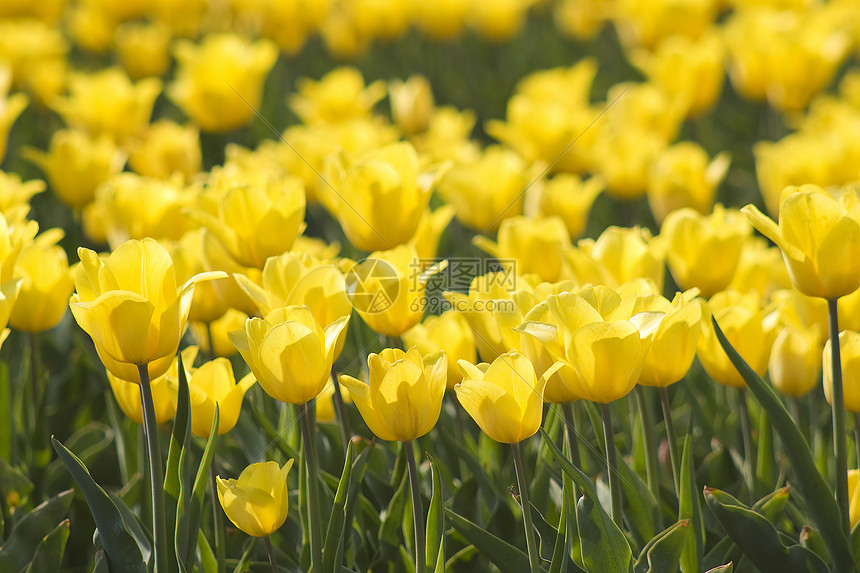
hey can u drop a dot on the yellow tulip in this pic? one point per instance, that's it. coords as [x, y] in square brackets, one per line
[253, 219]
[647, 24]
[76, 164]
[46, 286]
[130, 305]
[487, 190]
[504, 398]
[674, 339]
[11, 107]
[570, 197]
[819, 236]
[258, 501]
[136, 207]
[442, 20]
[212, 337]
[582, 19]
[622, 157]
[411, 103]
[760, 268]
[849, 346]
[214, 383]
[854, 492]
[387, 289]
[379, 196]
[14, 192]
[36, 51]
[498, 21]
[743, 321]
[682, 177]
[207, 75]
[142, 48]
[108, 103]
[164, 391]
[703, 251]
[289, 352]
[619, 255]
[448, 136]
[448, 332]
[795, 360]
[164, 148]
[595, 332]
[403, 399]
[534, 246]
[339, 95]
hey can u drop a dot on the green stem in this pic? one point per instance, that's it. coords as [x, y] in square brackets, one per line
[572, 439]
[797, 414]
[271, 551]
[156, 473]
[857, 436]
[650, 442]
[534, 558]
[313, 473]
[611, 463]
[218, 522]
[417, 511]
[840, 444]
[746, 431]
[340, 411]
[674, 457]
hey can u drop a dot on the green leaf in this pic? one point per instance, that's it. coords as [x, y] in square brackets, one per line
[134, 526]
[689, 508]
[188, 519]
[765, 462]
[179, 436]
[604, 547]
[14, 485]
[642, 508]
[758, 538]
[502, 554]
[559, 553]
[31, 530]
[49, 553]
[727, 568]
[208, 562]
[120, 547]
[435, 520]
[771, 505]
[663, 552]
[245, 562]
[820, 501]
[811, 539]
[7, 419]
[90, 441]
[391, 522]
[335, 532]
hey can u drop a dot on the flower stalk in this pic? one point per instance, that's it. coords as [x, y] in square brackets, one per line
[417, 510]
[534, 558]
[156, 473]
[312, 467]
[840, 442]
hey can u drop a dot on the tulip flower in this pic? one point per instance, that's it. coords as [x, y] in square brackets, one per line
[164, 148]
[760, 268]
[213, 384]
[36, 51]
[11, 107]
[619, 255]
[340, 95]
[498, 21]
[570, 197]
[46, 286]
[849, 344]
[449, 332]
[795, 360]
[219, 83]
[14, 192]
[703, 251]
[647, 25]
[76, 164]
[258, 501]
[819, 236]
[380, 194]
[448, 136]
[387, 289]
[536, 245]
[143, 48]
[853, 482]
[411, 103]
[254, 216]
[289, 352]
[429, 231]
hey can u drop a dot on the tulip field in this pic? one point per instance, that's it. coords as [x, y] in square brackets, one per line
[421, 286]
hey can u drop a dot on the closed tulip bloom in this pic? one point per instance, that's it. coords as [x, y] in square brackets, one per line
[387, 289]
[164, 391]
[504, 398]
[849, 345]
[498, 21]
[703, 251]
[535, 244]
[570, 197]
[403, 399]
[338, 96]
[683, 176]
[253, 220]
[14, 192]
[76, 164]
[746, 327]
[646, 25]
[795, 360]
[130, 305]
[595, 332]
[411, 103]
[143, 48]
[618, 256]
[819, 236]
[674, 340]
[449, 332]
[381, 194]
[214, 383]
[289, 353]
[258, 501]
[165, 148]
[854, 492]
[760, 268]
[208, 73]
[46, 286]
[108, 103]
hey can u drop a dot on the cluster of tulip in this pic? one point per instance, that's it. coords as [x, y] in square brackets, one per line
[296, 261]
